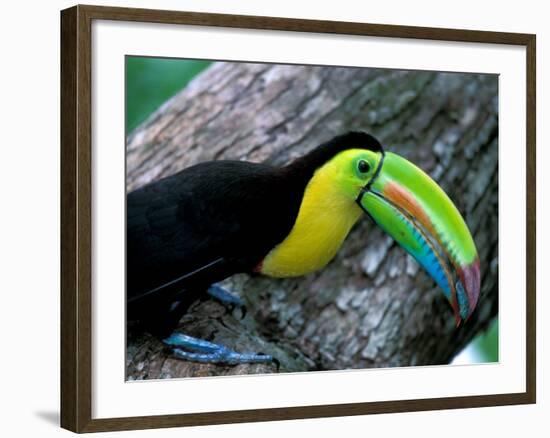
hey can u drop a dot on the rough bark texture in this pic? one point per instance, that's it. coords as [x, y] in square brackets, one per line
[371, 306]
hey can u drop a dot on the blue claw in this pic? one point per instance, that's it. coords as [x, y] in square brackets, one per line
[208, 352]
[224, 296]
[183, 341]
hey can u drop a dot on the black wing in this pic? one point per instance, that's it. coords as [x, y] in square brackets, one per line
[204, 224]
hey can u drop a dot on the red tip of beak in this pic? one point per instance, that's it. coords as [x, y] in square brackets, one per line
[470, 278]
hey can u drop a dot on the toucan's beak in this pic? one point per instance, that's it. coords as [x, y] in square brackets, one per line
[408, 205]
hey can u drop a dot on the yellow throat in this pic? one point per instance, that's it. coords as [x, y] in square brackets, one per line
[325, 217]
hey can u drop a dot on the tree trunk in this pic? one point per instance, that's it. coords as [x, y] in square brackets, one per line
[371, 306]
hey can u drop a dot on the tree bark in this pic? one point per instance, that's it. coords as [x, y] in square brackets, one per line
[371, 306]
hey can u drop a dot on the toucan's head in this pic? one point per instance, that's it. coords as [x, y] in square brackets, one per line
[408, 205]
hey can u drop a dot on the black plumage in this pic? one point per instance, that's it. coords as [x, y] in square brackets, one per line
[208, 222]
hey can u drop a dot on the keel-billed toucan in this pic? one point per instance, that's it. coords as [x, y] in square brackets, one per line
[188, 231]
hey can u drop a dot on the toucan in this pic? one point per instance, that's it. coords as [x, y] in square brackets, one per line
[187, 232]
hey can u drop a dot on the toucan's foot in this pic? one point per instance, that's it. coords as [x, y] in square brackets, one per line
[224, 296]
[197, 350]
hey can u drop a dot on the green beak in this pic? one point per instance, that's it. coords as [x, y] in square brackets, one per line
[408, 205]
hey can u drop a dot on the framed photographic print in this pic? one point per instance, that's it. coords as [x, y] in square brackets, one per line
[268, 218]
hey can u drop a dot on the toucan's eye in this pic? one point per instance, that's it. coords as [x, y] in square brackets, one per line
[363, 166]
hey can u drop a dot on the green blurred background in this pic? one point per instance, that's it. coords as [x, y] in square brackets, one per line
[151, 81]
